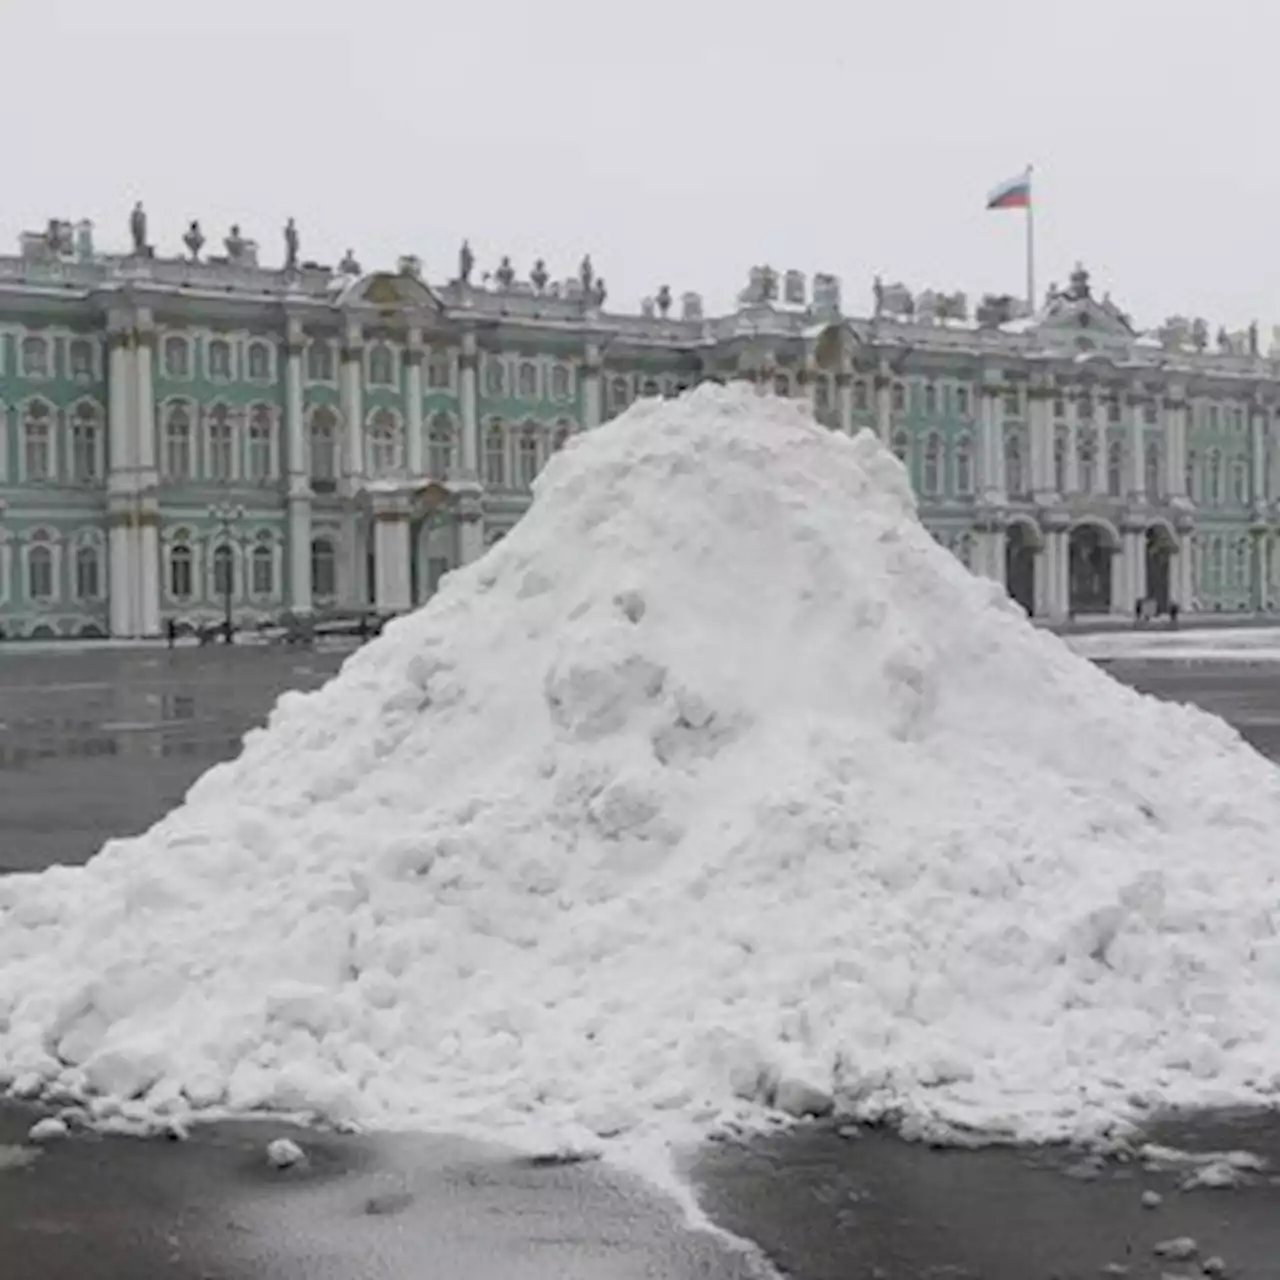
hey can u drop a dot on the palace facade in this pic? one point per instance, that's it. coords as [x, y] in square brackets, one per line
[179, 432]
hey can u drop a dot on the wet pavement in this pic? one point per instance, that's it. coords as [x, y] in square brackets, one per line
[99, 744]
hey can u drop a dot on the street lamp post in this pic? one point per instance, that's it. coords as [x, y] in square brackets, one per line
[227, 517]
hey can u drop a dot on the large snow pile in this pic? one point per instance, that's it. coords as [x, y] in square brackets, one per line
[716, 774]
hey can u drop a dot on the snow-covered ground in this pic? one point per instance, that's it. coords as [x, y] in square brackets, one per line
[717, 788]
[1208, 644]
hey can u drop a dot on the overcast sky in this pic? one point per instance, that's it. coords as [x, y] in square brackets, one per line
[678, 141]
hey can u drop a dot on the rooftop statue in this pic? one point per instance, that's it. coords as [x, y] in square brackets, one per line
[539, 276]
[587, 274]
[349, 266]
[194, 240]
[138, 229]
[291, 245]
[234, 244]
[505, 274]
[663, 300]
[466, 263]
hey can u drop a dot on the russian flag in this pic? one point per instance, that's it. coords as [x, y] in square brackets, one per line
[1013, 194]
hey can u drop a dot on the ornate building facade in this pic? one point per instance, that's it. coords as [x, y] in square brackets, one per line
[181, 434]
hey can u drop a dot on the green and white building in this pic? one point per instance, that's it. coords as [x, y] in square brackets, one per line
[178, 428]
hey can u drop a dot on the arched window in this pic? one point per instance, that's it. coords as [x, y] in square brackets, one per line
[495, 455]
[495, 377]
[1152, 472]
[1240, 482]
[1115, 469]
[861, 397]
[902, 447]
[262, 570]
[1213, 478]
[35, 356]
[650, 387]
[319, 361]
[40, 584]
[561, 436]
[224, 574]
[1060, 447]
[80, 359]
[821, 394]
[619, 394]
[1014, 475]
[930, 399]
[220, 359]
[528, 381]
[931, 476]
[261, 430]
[439, 365]
[527, 456]
[37, 438]
[559, 382]
[177, 358]
[898, 400]
[220, 439]
[181, 577]
[964, 466]
[86, 437]
[1240, 564]
[88, 574]
[440, 447]
[781, 384]
[324, 569]
[177, 442]
[384, 444]
[1087, 462]
[1192, 476]
[324, 444]
[381, 367]
[259, 362]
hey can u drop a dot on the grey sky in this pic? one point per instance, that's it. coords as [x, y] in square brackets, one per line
[677, 140]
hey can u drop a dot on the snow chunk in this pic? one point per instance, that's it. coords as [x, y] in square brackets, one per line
[284, 1153]
[50, 1129]
[716, 793]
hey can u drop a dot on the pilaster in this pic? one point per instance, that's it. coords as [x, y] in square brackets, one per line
[299, 486]
[884, 405]
[351, 393]
[591, 405]
[1040, 428]
[844, 400]
[392, 577]
[1137, 451]
[413, 357]
[468, 364]
[991, 452]
[1174, 420]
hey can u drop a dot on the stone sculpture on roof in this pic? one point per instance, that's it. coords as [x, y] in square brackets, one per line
[291, 245]
[138, 229]
[466, 263]
[194, 240]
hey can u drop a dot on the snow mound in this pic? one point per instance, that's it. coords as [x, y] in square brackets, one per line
[716, 786]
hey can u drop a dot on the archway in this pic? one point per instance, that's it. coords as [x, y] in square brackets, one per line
[1089, 569]
[1022, 544]
[1160, 549]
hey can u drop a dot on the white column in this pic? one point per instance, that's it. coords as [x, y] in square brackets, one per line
[148, 570]
[120, 579]
[1044, 578]
[1061, 573]
[991, 453]
[1137, 450]
[299, 491]
[1136, 544]
[1185, 587]
[1257, 455]
[884, 407]
[351, 392]
[413, 405]
[591, 415]
[468, 361]
[391, 562]
[1040, 429]
[1261, 571]
[844, 400]
[1175, 445]
[145, 401]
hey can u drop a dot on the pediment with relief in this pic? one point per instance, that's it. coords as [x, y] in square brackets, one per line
[1074, 317]
[388, 290]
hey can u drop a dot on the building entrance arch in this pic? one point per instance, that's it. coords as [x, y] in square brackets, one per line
[1022, 544]
[1161, 548]
[1091, 550]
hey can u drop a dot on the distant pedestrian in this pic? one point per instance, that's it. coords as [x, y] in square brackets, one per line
[1173, 614]
[171, 632]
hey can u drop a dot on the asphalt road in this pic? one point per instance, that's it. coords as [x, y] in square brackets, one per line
[100, 744]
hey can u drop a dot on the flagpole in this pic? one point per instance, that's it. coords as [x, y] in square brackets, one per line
[1031, 248]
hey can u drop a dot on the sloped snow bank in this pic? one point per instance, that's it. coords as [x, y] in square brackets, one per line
[716, 778]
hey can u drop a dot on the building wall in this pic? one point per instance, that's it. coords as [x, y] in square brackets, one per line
[155, 434]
